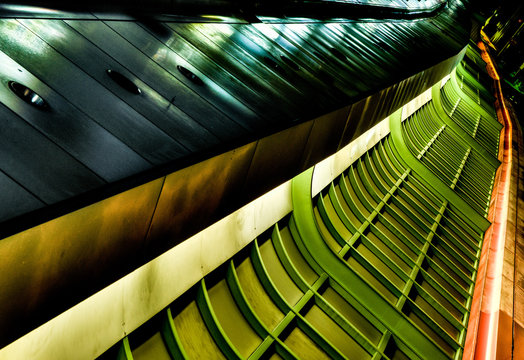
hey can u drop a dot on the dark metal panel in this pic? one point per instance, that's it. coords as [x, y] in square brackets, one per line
[240, 99]
[53, 266]
[390, 106]
[38, 164]
[387, 102]
[277, 159]
[194, 197]
[354, 79]
[232, 62]
[262, 48]
[269, 64]
[86, 94]
[359, 55]
[364, 122]
[71, 129]
[245, 56]
[149, 103]
[354, 120]
[375, 109]
[160, 79]
[362, 48]
[326, 67]
[325, 137]
[15, 199]
[294, 59]
[217, 87]
[264, 53]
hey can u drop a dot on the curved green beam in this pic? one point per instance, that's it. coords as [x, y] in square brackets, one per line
[395, 321]
[471, 142]
[474, 81]
[470, 101]
[429, 179]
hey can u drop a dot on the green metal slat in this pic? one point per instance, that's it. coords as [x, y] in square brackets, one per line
[475, 219]
[171, 338]
[244, 306]
[213, 325]
[124, 352]
[303, 214]
[488, 157]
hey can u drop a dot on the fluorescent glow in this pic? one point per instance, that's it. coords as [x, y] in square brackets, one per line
[483, 346]
[30, 10]
[220, 18]
[112, 313]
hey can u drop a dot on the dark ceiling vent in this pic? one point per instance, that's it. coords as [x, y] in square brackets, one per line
[28, 95]
[124, 82]
[188, 74]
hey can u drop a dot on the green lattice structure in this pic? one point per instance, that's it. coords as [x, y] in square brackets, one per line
[381, 264]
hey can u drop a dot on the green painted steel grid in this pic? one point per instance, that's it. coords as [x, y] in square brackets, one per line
[303, 301]
[442, 151]
[482, 128]
[419, 232]
[449, 148]
[379, 265]
[397, 236]
[471, 85]
[475, 82]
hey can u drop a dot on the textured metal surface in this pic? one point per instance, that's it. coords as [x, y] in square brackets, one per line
[98, 103]
[264, 172]
[94, 61]
[169, 82]
[53, 181]
[321, 138]
[205, 9]
[113, 134]
[83, 138]
[15, 199]
[195, 196]
[51, 267]
[253, 80]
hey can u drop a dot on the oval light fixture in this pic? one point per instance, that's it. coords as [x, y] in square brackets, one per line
[188, 74]
[28, 95]
[123, 82]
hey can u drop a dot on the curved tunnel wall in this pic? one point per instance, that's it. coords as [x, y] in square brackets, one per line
[381, 264]
[75, 255]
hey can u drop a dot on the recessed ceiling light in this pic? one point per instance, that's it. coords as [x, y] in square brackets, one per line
[28, 95]
[188, 74]
[123, 81]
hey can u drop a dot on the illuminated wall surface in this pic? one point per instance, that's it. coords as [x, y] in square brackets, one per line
[177, 125]
[381, 264]
[123, 137]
